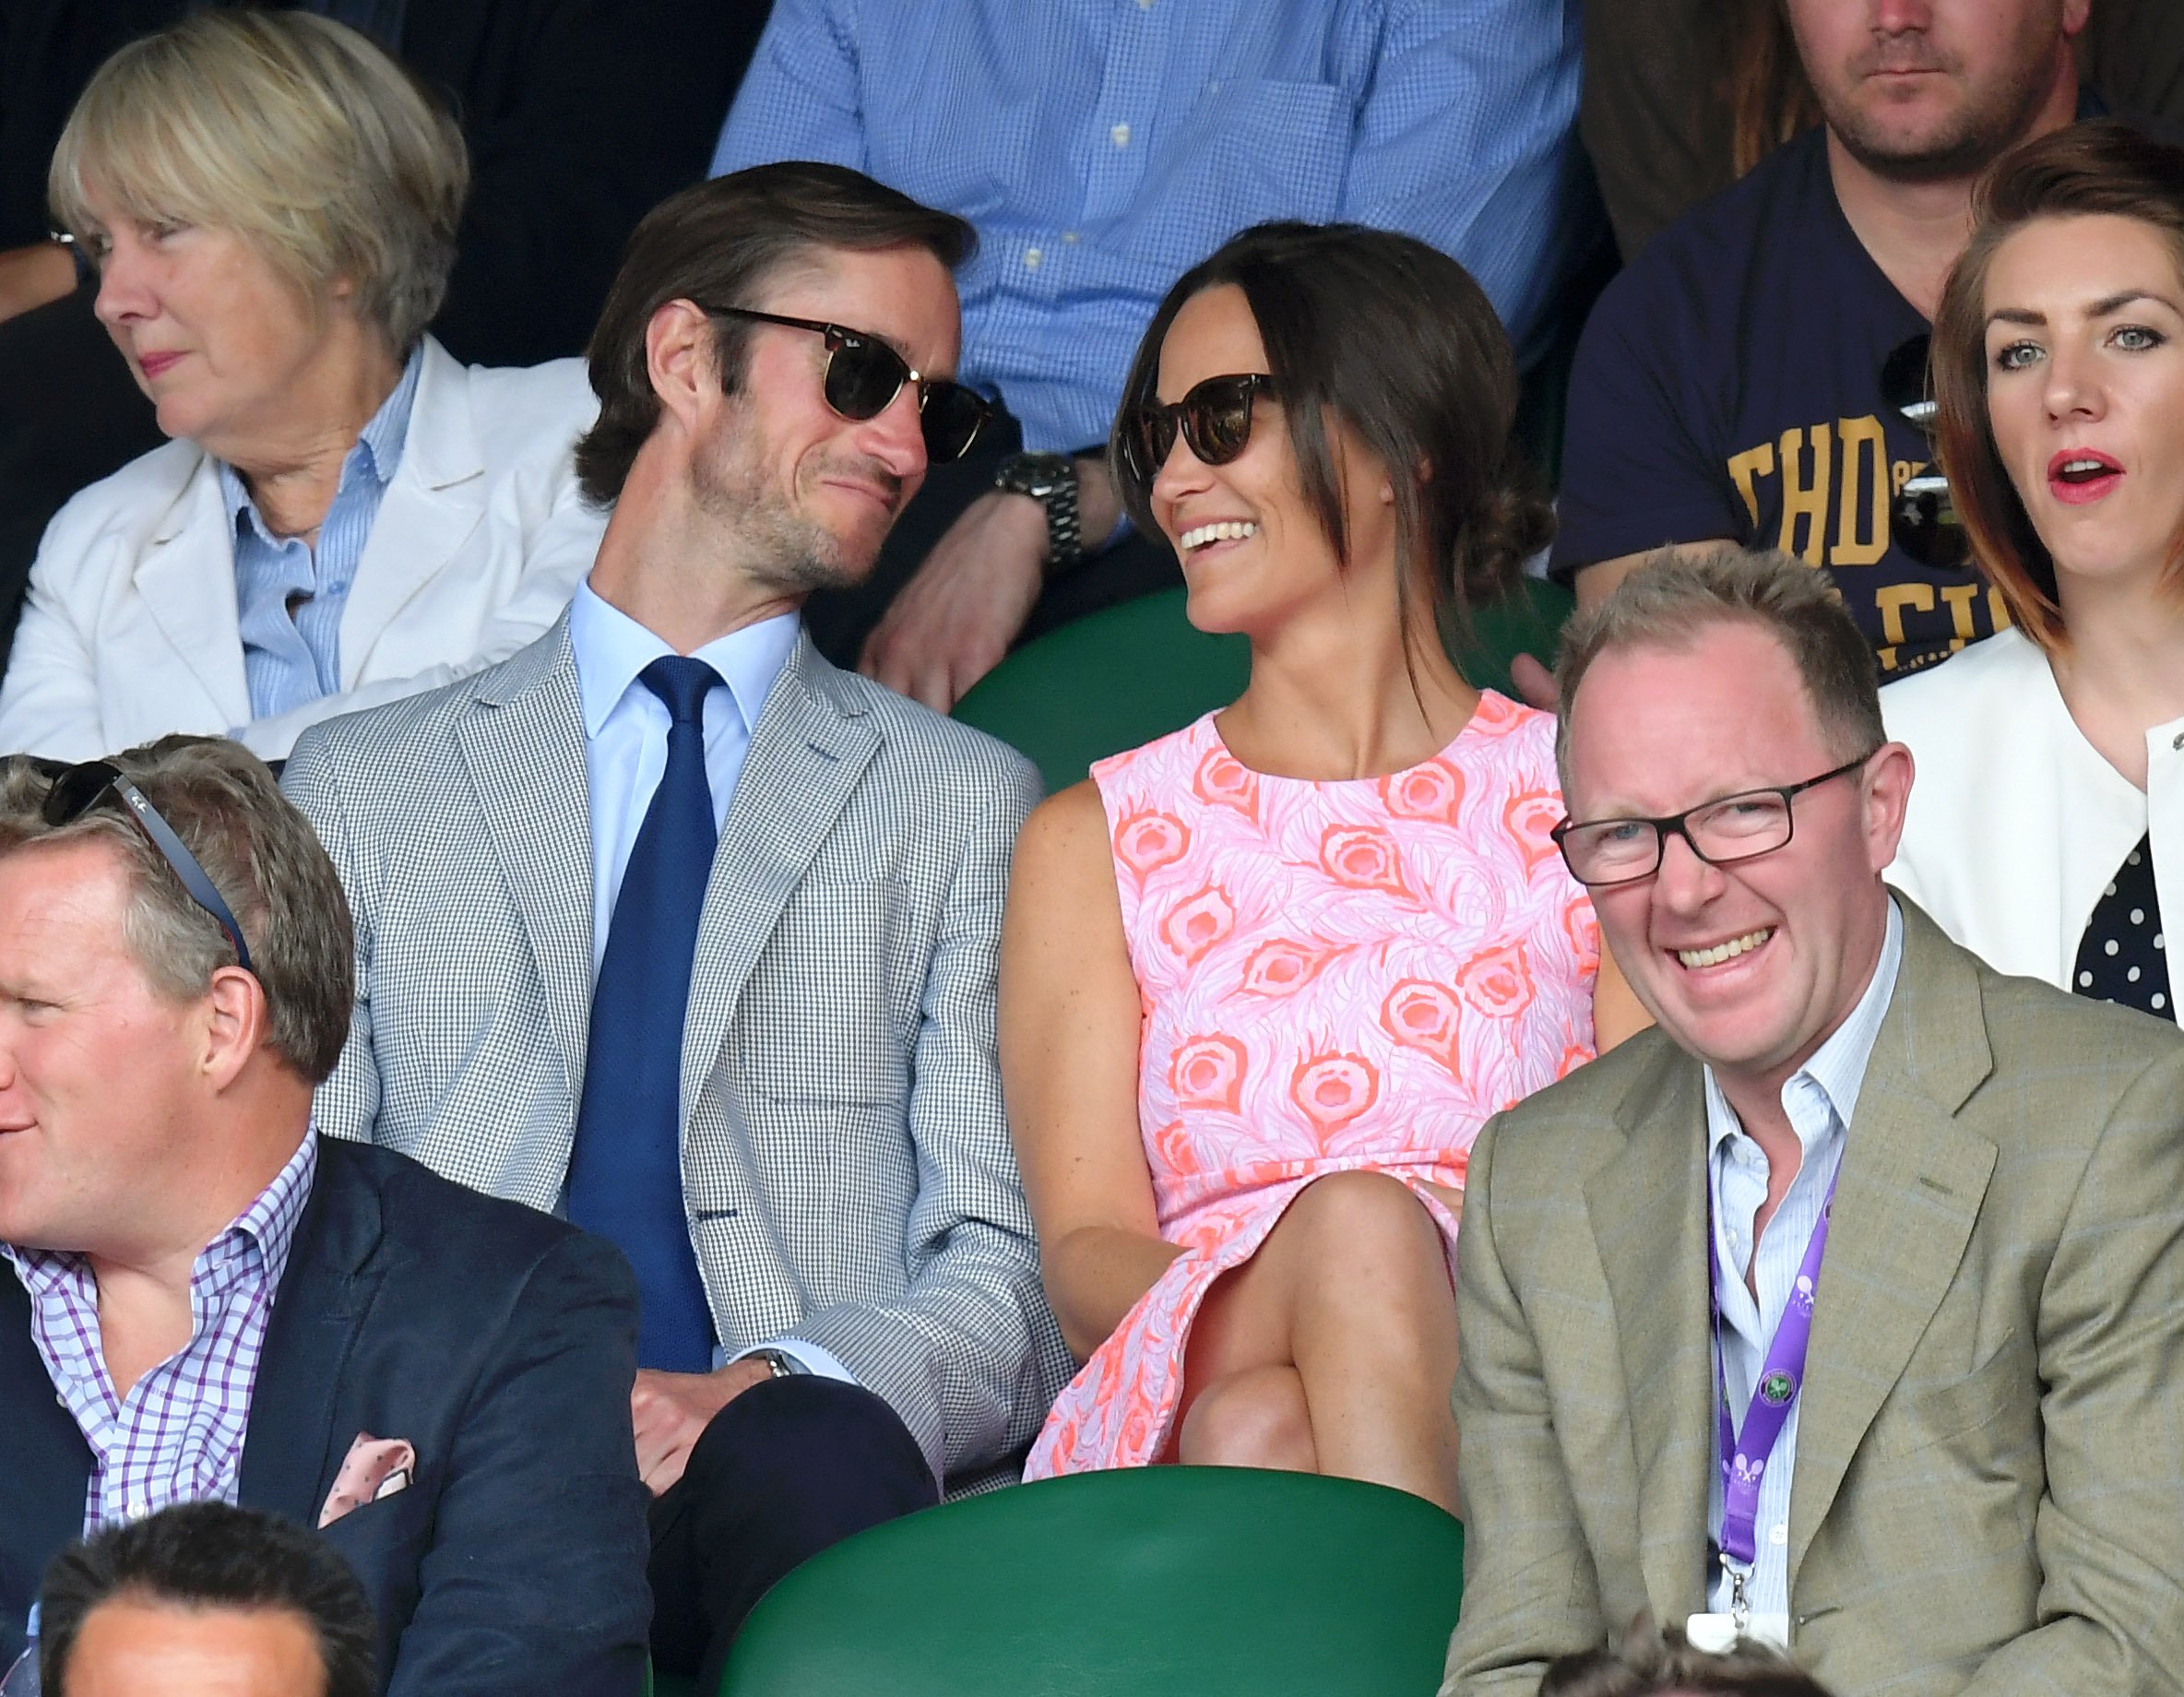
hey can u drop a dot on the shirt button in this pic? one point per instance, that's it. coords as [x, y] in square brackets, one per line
[2177, 740]
[1070, 237]
[1778, 1535]
[1120, 135]
[1031, 258]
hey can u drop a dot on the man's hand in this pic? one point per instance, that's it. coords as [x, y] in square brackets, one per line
[33, 276]
[671, 1410]
[955, 620]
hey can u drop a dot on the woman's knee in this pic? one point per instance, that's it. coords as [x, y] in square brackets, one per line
[1254, 1418]
[1365, 1225]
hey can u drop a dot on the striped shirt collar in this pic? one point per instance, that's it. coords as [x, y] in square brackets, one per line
[377, 453]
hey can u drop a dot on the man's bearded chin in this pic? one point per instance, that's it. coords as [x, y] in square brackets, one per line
[778, 547]
[1948, 147]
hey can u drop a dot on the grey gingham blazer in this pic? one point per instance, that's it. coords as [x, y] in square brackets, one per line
[1989, 1494]
[845, 1159]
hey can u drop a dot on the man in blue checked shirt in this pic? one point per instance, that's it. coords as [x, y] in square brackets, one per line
[1100, 147]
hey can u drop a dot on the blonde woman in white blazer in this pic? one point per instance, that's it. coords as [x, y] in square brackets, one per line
[347, 515]
[2045, 831]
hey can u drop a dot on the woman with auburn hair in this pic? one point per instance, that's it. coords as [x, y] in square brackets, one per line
[2046, 829]
[1264, 980]
[346, 513]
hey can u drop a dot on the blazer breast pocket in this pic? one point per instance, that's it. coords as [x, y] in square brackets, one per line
[385, 1542]
[814, 1024]
[2000, 1396]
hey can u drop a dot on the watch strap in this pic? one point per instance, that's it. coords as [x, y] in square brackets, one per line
[1052, 481]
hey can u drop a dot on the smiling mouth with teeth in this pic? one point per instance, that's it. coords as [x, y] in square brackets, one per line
[2084, 471]
[1228, 530]
[1720, 952]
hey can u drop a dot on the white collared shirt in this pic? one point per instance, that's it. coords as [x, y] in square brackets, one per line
[625, 754]
[1820, 1099]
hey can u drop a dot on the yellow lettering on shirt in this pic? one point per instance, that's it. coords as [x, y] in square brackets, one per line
[1805, 500]
[1961, 598]
[1997, 609]
[1865, 490]
[1902, 472]
[1893, 598]
[1752, 463]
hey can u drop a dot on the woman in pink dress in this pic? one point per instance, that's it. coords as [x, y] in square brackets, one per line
[1264, 980]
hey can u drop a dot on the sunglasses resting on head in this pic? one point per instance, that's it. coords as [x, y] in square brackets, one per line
[78, 788]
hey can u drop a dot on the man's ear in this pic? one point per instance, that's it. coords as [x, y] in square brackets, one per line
[238, 1024]
[681, 360]
[1887, 796]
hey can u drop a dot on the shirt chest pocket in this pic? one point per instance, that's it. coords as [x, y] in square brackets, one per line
[1259, 149]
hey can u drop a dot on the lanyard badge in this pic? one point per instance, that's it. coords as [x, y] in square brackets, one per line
[1746, 1449]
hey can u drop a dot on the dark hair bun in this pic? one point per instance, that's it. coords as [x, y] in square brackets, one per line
[1514, 523]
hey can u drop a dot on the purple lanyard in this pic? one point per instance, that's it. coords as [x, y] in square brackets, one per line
[1782, 1375]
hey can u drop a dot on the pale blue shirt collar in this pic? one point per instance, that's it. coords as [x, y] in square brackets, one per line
[377, 453]
[611, 648]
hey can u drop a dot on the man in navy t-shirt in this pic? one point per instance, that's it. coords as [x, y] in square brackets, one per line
[1729, 384]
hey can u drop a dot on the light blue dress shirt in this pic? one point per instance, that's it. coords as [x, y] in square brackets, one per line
[1102, 148]
[1820, 1099]
[625, 751]
[289, 595]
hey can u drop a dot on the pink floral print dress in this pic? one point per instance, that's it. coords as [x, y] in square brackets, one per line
[1334, 976]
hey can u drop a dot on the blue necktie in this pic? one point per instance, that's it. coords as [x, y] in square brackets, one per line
[626, 1173]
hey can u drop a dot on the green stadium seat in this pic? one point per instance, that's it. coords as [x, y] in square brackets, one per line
[1127, 674]
[1206, 1582]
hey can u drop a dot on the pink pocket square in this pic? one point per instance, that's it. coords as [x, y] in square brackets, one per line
[374, 1468]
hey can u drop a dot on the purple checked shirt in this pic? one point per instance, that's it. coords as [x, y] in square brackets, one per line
[178, 1437]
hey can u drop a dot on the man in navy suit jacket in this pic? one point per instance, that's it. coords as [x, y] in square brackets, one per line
[199, 1298]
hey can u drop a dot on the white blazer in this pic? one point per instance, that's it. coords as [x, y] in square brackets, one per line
[132, 629]
[2016, 823]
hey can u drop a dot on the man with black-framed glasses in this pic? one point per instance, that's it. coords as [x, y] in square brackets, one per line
[202, 1300]
[1845, 1309]
[669, 925]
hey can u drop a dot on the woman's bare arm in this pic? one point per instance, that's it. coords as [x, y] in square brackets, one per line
[1070, 1017]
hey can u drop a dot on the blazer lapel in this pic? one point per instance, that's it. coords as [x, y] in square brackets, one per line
[1910, 1190]
[432, 507]
[289, 1452]
[811, 746]
[48, 1475]
[523, 743]
[186, 579]
[1648, 1210]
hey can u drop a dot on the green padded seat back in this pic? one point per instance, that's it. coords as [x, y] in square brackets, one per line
[1204, 1581]
[1124, 675]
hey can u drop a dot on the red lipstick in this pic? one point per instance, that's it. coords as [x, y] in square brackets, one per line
[2077, 476]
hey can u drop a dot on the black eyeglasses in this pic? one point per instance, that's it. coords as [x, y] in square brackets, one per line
[1730, 828]
[78, 788]
[1215, 418]
[864, 375]
[1922, 520]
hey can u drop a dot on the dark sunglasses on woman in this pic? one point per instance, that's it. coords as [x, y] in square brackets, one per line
[1922, 520]
[864, 375]
[1213, 417]
[75, 789]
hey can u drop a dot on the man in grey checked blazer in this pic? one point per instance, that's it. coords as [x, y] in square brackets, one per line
[850, 1191]
[1982, 1488]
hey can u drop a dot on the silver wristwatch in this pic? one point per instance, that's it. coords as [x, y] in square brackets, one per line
[1052, 481]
